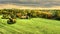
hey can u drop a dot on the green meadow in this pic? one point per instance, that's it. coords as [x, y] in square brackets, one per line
[30, 26]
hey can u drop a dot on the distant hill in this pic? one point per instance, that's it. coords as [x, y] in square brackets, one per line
[9, 6]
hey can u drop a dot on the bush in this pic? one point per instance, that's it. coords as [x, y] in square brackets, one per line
[24, 17]
[11, 21]
[5, 16]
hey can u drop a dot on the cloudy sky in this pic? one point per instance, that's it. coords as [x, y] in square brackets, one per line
[40, 3]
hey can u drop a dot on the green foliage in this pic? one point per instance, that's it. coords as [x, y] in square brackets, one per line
[54, 14]
[5, 16]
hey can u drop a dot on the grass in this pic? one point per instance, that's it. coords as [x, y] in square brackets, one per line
[30, 26]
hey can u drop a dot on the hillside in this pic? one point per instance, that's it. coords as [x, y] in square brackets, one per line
[30, 26]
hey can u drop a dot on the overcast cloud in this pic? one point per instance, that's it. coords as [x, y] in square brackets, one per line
[41, 3]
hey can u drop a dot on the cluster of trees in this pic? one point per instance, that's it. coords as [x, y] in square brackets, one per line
[27, 13]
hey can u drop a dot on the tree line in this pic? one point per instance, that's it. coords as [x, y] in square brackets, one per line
[27, 13]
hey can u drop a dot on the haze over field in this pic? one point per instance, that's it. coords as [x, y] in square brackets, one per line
[32, 3]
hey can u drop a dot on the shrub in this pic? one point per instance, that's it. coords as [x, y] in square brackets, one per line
[11, 21]
[5, 16]
[24, 17]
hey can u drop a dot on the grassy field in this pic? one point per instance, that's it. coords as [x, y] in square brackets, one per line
[30, 26]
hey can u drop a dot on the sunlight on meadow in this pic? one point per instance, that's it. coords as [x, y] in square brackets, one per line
[29, 16]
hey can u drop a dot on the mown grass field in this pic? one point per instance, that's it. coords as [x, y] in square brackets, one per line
[30, 26]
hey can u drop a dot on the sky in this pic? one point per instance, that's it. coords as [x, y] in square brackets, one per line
[40, 3]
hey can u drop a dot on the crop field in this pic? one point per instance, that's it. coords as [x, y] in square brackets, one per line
[30, 26]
